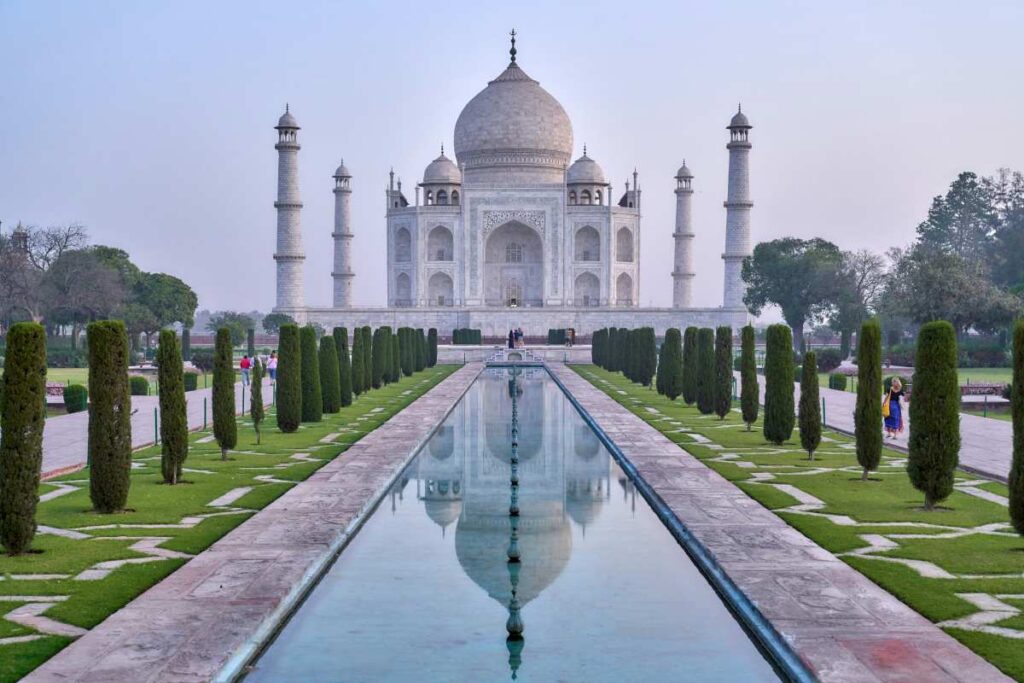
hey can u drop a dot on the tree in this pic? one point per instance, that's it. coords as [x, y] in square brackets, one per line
[867, 415]
[962, 221]
[706, 370]
[407, 351]
[289, 379]
[810, 406]
[861, 279]
[225, 429]
[612, 350]
[79, 288]
[110, 408]
[381, 355]
[597, 346]
[21, 434]
[186, 343]
[236, 324]
[170, 299]
[1016, 479]
[798, 276]
[367, 357]
[358, 370]
[138, 319]
[395, 367]
[778, 376]
[340, 335]
[934, 445]
[690, 366]
[256, 409]
[1007, 192]
[432, 347]
[312, 395]
[672, 360]
[173, 416]
[723, 371]
[272, 322]
[328, 362]
[421, 350]
[250, 342]
[750, 400]
[649, 355]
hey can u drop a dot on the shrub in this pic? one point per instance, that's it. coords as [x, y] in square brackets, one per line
[202, 360]
[597, 341]
[750, 399]
[289, 378]
[328, 363]
[186, 347]
[672, 360]
[256, 410]
[706, 370]
[191, 380]
[556, 337]
[837, 381]
[466, 336]
[690, 366]
[173, 416]
[225, 429]
[829, 359]
[934, 414]
[810, 406]
[367, 357]
[312, 395]
[138, 385]
[65, 357]
[358, 372]
[110, 408]
[778, 376]
[395, 367]
[1016, 479]
[421, 350]
[340, 335]
[21, 440]
[380, 354]
[611, 350]
[431, 347]
[1007, 392]
[76, 398]
[723, 371]
[405, 345]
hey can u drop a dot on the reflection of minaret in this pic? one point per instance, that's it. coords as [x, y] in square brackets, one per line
[514, 625]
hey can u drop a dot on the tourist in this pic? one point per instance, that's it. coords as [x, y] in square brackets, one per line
[245, 365]
[511, 339]
[891, 409]
[272, 366]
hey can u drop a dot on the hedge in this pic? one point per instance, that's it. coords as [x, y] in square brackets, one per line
[76, 398]
[139, 385]
[778, 372]
[191, 380]
[312, 395]
[289, 378]
[690, 366]
[750, 398]
[810, 406]
[110, 408]
[557, 337]
[837, 381]
[21, 441]
[225, 429]
[467, 336]
[329, 386]
[173, 416]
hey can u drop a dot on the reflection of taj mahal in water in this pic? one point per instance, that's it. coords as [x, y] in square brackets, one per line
[510, 233]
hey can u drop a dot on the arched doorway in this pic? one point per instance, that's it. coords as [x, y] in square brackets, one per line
[440, 245]
[514, 266]
[587, 290]
[624, 245]
[403, 246]
[624, 290]
[403, 290]
[440, 291]
[588, 244]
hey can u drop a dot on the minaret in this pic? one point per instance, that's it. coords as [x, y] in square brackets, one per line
[289, 255]
[737, 210]
[682, 273]
[342, 235]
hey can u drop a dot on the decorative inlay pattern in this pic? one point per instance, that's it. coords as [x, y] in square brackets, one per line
[494, 219]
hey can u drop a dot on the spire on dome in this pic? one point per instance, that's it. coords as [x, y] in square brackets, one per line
[513, 50]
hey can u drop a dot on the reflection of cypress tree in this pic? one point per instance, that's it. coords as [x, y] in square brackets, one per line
[690, 366]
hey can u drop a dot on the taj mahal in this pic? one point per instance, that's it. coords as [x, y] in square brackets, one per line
[512, 232]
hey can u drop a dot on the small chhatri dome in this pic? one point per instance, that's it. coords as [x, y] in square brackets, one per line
[739, 120]
[287, 120]
[442, 170]
[342, 172]
[684, 171]
[585, 171]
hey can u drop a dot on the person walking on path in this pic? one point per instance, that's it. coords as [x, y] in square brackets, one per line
[272, 366]
[892, 410]
[245, 366]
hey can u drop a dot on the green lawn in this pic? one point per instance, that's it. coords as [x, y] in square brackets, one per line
[967, 376]
[970, 538]
[152, 502]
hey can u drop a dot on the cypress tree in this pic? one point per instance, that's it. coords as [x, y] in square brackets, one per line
[624, 349]
[367, 357]
[250, 342]
[810, 406]
[723, 371]
[650, 355]
[595, 347]
[110, 408]
[340, 335]
[421, 350]
[225, 429]
[173, 416]
[312, 394]
[706, 370]
[388, 340]
[934, 445]
[186, 344]
[406, 356]
[750, 399]
[329, 389]
[289, 378]
[395, 366]
[256, 410]
[778, 378]
[432, 346]
[358, 373]
[1016, 480]
[612, 348]
[673, 362]
[21, 434]
[379, 352]
[867, 416]
[659, 377]
[690, 366]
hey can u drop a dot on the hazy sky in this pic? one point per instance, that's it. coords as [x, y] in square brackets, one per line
[152, 122]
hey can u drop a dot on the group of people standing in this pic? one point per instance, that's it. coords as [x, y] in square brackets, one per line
[269, 364]
[515, 338]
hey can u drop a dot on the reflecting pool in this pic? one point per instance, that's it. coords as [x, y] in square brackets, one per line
[426, 591]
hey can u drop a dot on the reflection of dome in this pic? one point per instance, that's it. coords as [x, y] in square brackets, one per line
[442, 443]
[442, 170]
[498, 427]
[586, 444]
[583, 500]
[443, 512]
[585, 171]
[545, 543]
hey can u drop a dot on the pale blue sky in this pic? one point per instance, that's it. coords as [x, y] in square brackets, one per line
[152, 122]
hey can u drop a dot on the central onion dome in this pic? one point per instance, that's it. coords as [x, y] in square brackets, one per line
[513, 130]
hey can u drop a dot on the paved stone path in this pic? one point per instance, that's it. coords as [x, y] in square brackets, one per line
[66, 438]
[216, 610]
[843, 626]
[986, 444]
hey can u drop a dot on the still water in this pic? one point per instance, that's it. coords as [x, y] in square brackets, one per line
[424, 592]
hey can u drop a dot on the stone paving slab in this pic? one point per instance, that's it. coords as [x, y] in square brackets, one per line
[224, 601]
[842, 625]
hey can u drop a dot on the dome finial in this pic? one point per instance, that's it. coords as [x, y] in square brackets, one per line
[442, 149]
[513, 50]
[285, 107]
[584, 149]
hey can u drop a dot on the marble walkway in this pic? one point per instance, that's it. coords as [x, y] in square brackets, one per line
[986, 444]
[209, 616]
[66, 438]
[844, 627]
